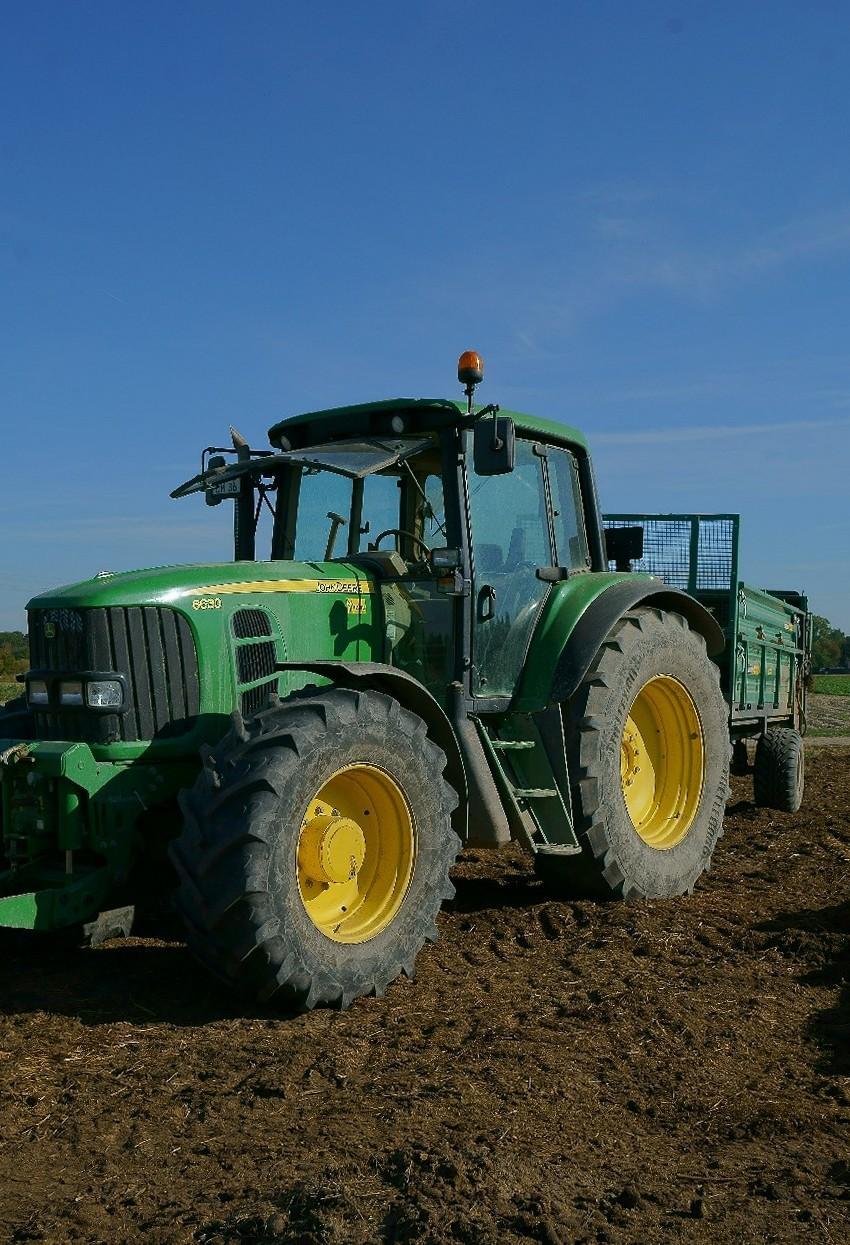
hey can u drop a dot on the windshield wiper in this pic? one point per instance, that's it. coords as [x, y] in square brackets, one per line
[429, 509]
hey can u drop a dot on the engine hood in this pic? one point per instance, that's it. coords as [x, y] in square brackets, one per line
[180, 585]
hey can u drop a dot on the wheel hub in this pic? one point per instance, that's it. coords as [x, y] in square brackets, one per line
[630, 754]
[356, 852]
[332, 848]
[662, 762]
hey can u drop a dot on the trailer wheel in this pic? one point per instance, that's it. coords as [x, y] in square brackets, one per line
[779, 770]
[648, 750]
[316, 849]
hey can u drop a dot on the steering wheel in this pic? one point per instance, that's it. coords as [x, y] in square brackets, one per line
[400, 531]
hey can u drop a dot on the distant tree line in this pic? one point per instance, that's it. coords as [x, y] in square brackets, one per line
[14, 652]
[830, 646]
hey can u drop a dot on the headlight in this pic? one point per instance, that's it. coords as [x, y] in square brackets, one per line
[37, 692]
[71, 693]
[104, 694]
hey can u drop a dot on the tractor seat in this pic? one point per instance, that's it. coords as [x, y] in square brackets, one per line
[516, 550]
[488, 559]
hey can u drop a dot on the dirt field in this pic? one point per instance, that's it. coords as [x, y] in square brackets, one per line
[559, 1072]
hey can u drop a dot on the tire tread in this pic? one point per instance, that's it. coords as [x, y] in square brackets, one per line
[223, 855]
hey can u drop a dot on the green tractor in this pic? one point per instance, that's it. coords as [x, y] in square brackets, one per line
[435, 654]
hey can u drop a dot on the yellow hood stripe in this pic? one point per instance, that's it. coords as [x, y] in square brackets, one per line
[333, 586]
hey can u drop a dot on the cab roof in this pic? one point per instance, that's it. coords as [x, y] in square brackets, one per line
[419, 415]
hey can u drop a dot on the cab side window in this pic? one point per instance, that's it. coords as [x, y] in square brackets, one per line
[509, 527]
[510, 538]
[567, 510]
[380, 510]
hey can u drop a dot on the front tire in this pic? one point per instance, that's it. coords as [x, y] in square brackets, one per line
[648, 752]
[16, 720]
[316, 849]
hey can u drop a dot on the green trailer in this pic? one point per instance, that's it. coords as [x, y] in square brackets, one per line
[766, 660]
[425, 647]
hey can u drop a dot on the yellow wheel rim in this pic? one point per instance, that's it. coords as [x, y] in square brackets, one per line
[662, 762]
[356, 851]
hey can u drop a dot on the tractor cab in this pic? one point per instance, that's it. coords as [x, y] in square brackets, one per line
[463, 519]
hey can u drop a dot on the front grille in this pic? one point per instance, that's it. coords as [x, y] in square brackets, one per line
[250, 623]
[255, 699]
[255, 661]
[151, 646]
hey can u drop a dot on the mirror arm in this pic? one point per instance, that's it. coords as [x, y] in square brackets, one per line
[497, 440]
[491, 409]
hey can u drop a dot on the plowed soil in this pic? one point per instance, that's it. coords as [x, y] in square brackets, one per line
[558, 1072]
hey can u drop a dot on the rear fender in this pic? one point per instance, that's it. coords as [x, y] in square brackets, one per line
[584, 626]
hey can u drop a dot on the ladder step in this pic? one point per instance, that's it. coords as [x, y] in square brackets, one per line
[512, 745]
[535, 793]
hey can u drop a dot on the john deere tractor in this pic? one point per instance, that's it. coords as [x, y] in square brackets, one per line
[435, 654]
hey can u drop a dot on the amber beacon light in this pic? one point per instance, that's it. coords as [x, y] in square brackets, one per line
[470, 372]
[470, 368]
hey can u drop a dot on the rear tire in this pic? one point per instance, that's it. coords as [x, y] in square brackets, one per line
[779, 770]
[648, 752]
[282, 798]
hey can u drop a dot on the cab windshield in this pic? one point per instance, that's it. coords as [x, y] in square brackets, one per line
[368, 497]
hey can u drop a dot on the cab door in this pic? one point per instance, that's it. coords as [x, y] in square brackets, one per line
[510, 538]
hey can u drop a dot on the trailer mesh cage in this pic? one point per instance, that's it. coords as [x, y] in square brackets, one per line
[694, 552]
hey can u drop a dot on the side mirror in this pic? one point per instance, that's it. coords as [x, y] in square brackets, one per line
[446, 560]
[494, 446]
[213, 494]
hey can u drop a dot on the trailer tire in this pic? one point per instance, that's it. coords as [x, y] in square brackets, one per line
[779, 770]
[316, 849]
[650, 704]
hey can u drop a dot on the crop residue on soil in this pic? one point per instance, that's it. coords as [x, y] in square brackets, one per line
[559, 1072]
[829, 713]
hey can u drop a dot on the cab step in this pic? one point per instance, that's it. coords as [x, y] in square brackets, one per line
[537, 811]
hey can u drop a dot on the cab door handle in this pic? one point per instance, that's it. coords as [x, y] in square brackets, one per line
[486, 603]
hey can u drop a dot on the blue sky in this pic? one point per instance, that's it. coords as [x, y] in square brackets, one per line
[225, 213]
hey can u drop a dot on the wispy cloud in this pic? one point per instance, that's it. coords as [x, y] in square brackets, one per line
[622, 249]
[616, 194]
[711, 432]
[835, 397]
[703, 271]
